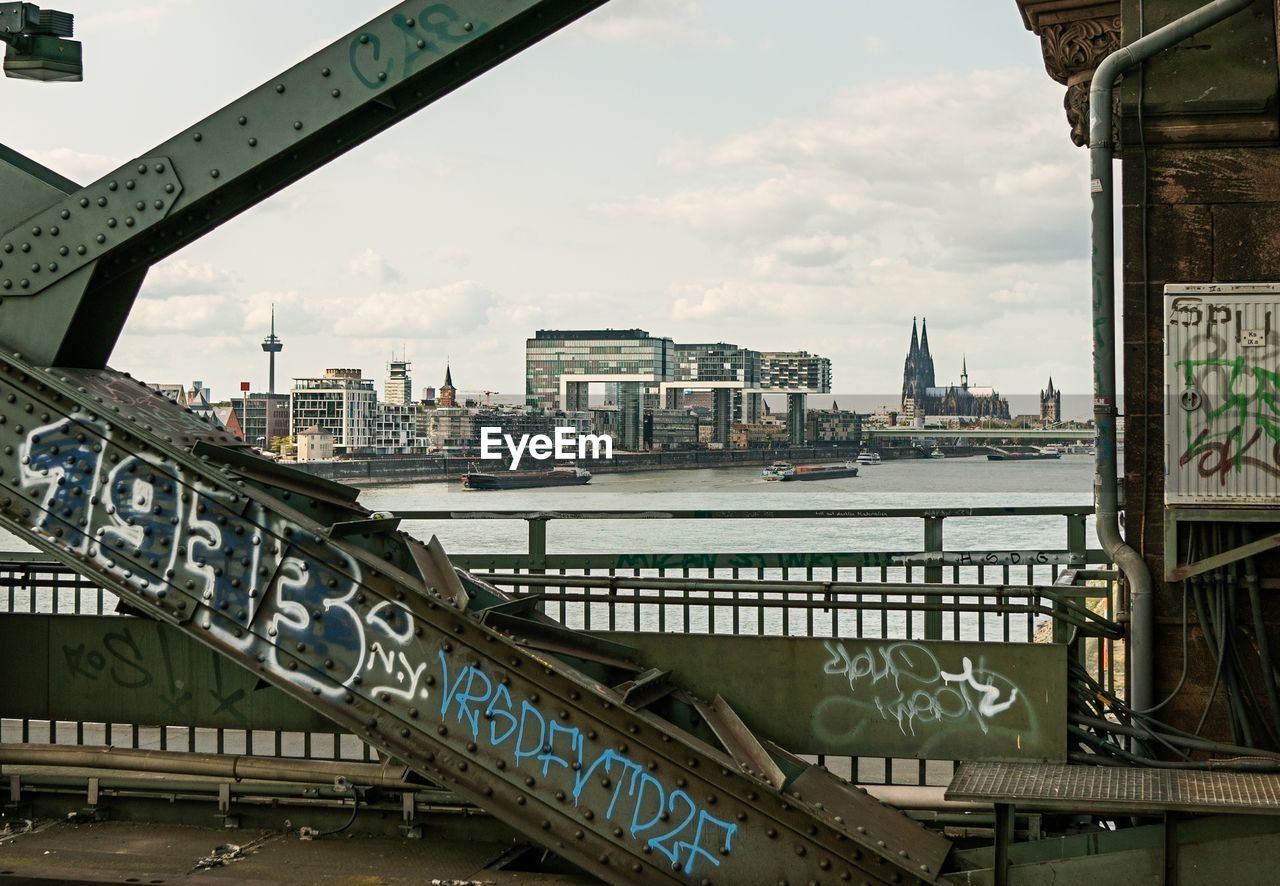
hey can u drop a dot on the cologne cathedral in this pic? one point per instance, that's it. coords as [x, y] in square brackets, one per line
[922, 397]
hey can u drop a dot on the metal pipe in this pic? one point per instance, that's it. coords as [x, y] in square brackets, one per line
[1198, 744]
[1101, 153]
[1260, 635]
[235, 767]
[931, 797]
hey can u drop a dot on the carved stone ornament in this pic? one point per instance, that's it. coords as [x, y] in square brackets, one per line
[1077, 47]
[1075, 36]
[1076, 102]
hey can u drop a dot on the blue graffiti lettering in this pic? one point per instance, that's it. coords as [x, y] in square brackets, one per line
[575, 746]
[493, 711]
[640, 799]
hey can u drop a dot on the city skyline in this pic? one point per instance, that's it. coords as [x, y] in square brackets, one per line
[394, 383]
[760, 187]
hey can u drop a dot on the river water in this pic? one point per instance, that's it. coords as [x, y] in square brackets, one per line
[926, 483]
[920, 483]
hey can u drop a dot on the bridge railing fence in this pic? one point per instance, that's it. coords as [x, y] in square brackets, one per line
[1054, 593]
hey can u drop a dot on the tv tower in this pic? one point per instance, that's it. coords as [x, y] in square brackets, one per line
[272, 345]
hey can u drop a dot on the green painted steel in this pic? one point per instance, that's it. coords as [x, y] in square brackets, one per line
[107, 669]
[755, 560]
[261, 565]
[921, 699]
[898, 699]
[72, 266]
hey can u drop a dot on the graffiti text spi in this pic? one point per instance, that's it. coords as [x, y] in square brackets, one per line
[666, 819]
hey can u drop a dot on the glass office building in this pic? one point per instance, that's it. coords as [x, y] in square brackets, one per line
[792, 370]
[342, 404]
[561, 364]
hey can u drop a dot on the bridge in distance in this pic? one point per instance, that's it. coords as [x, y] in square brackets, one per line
[1036, 435]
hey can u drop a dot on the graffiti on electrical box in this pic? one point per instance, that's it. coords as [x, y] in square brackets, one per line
[1226, 389]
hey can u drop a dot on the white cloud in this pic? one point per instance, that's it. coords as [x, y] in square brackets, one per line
[733, 302]
[177, 314]
[876, 45]
[948, 169]
[653, 22]
[954, 196]
[78, 166]
[453, 310]
[1020, 292]
[177, 276]
[374, 267]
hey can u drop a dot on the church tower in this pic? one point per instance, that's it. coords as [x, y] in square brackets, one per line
[910, 369]
[1050, 405]
[926, 359]
[917, 372]
[448, 395]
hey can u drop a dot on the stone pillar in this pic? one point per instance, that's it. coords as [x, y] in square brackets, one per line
[631, 415]
[1200, 186]
[721, 414]
[576, 396]
[795, 417]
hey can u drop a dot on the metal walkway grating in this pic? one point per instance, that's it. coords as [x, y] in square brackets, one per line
[1104, 788]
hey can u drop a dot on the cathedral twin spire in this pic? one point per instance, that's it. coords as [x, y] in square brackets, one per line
[921, 388]
[918, 371]
[917, 374]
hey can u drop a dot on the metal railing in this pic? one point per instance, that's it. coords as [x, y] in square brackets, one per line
[1049, 593]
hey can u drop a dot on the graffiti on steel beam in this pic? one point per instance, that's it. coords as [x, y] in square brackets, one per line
[651, 810]
[906, 684]
[279, 596]
[150, 526]
[429, 34]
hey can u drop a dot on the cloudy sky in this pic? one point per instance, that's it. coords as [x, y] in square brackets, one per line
[807, 175]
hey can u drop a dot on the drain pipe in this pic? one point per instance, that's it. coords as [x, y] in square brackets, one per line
[1101, 152]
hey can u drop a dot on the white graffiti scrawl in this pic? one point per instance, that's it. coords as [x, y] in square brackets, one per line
[905, 683]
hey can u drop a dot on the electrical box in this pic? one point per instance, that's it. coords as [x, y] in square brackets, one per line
[1222, 394]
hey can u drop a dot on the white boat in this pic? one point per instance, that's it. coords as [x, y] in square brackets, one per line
[937, 453]
[868, 457]
[779, 470]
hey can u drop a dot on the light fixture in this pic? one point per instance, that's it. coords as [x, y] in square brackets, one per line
[38, 45]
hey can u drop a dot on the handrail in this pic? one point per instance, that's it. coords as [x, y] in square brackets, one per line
[751, 514]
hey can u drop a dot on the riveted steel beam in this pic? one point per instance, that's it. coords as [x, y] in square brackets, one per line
[317, 110]
[102, 475]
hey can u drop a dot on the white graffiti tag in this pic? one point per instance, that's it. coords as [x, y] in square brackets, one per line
[904, 682]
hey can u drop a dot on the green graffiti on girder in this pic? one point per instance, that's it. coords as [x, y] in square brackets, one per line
[431, 33]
